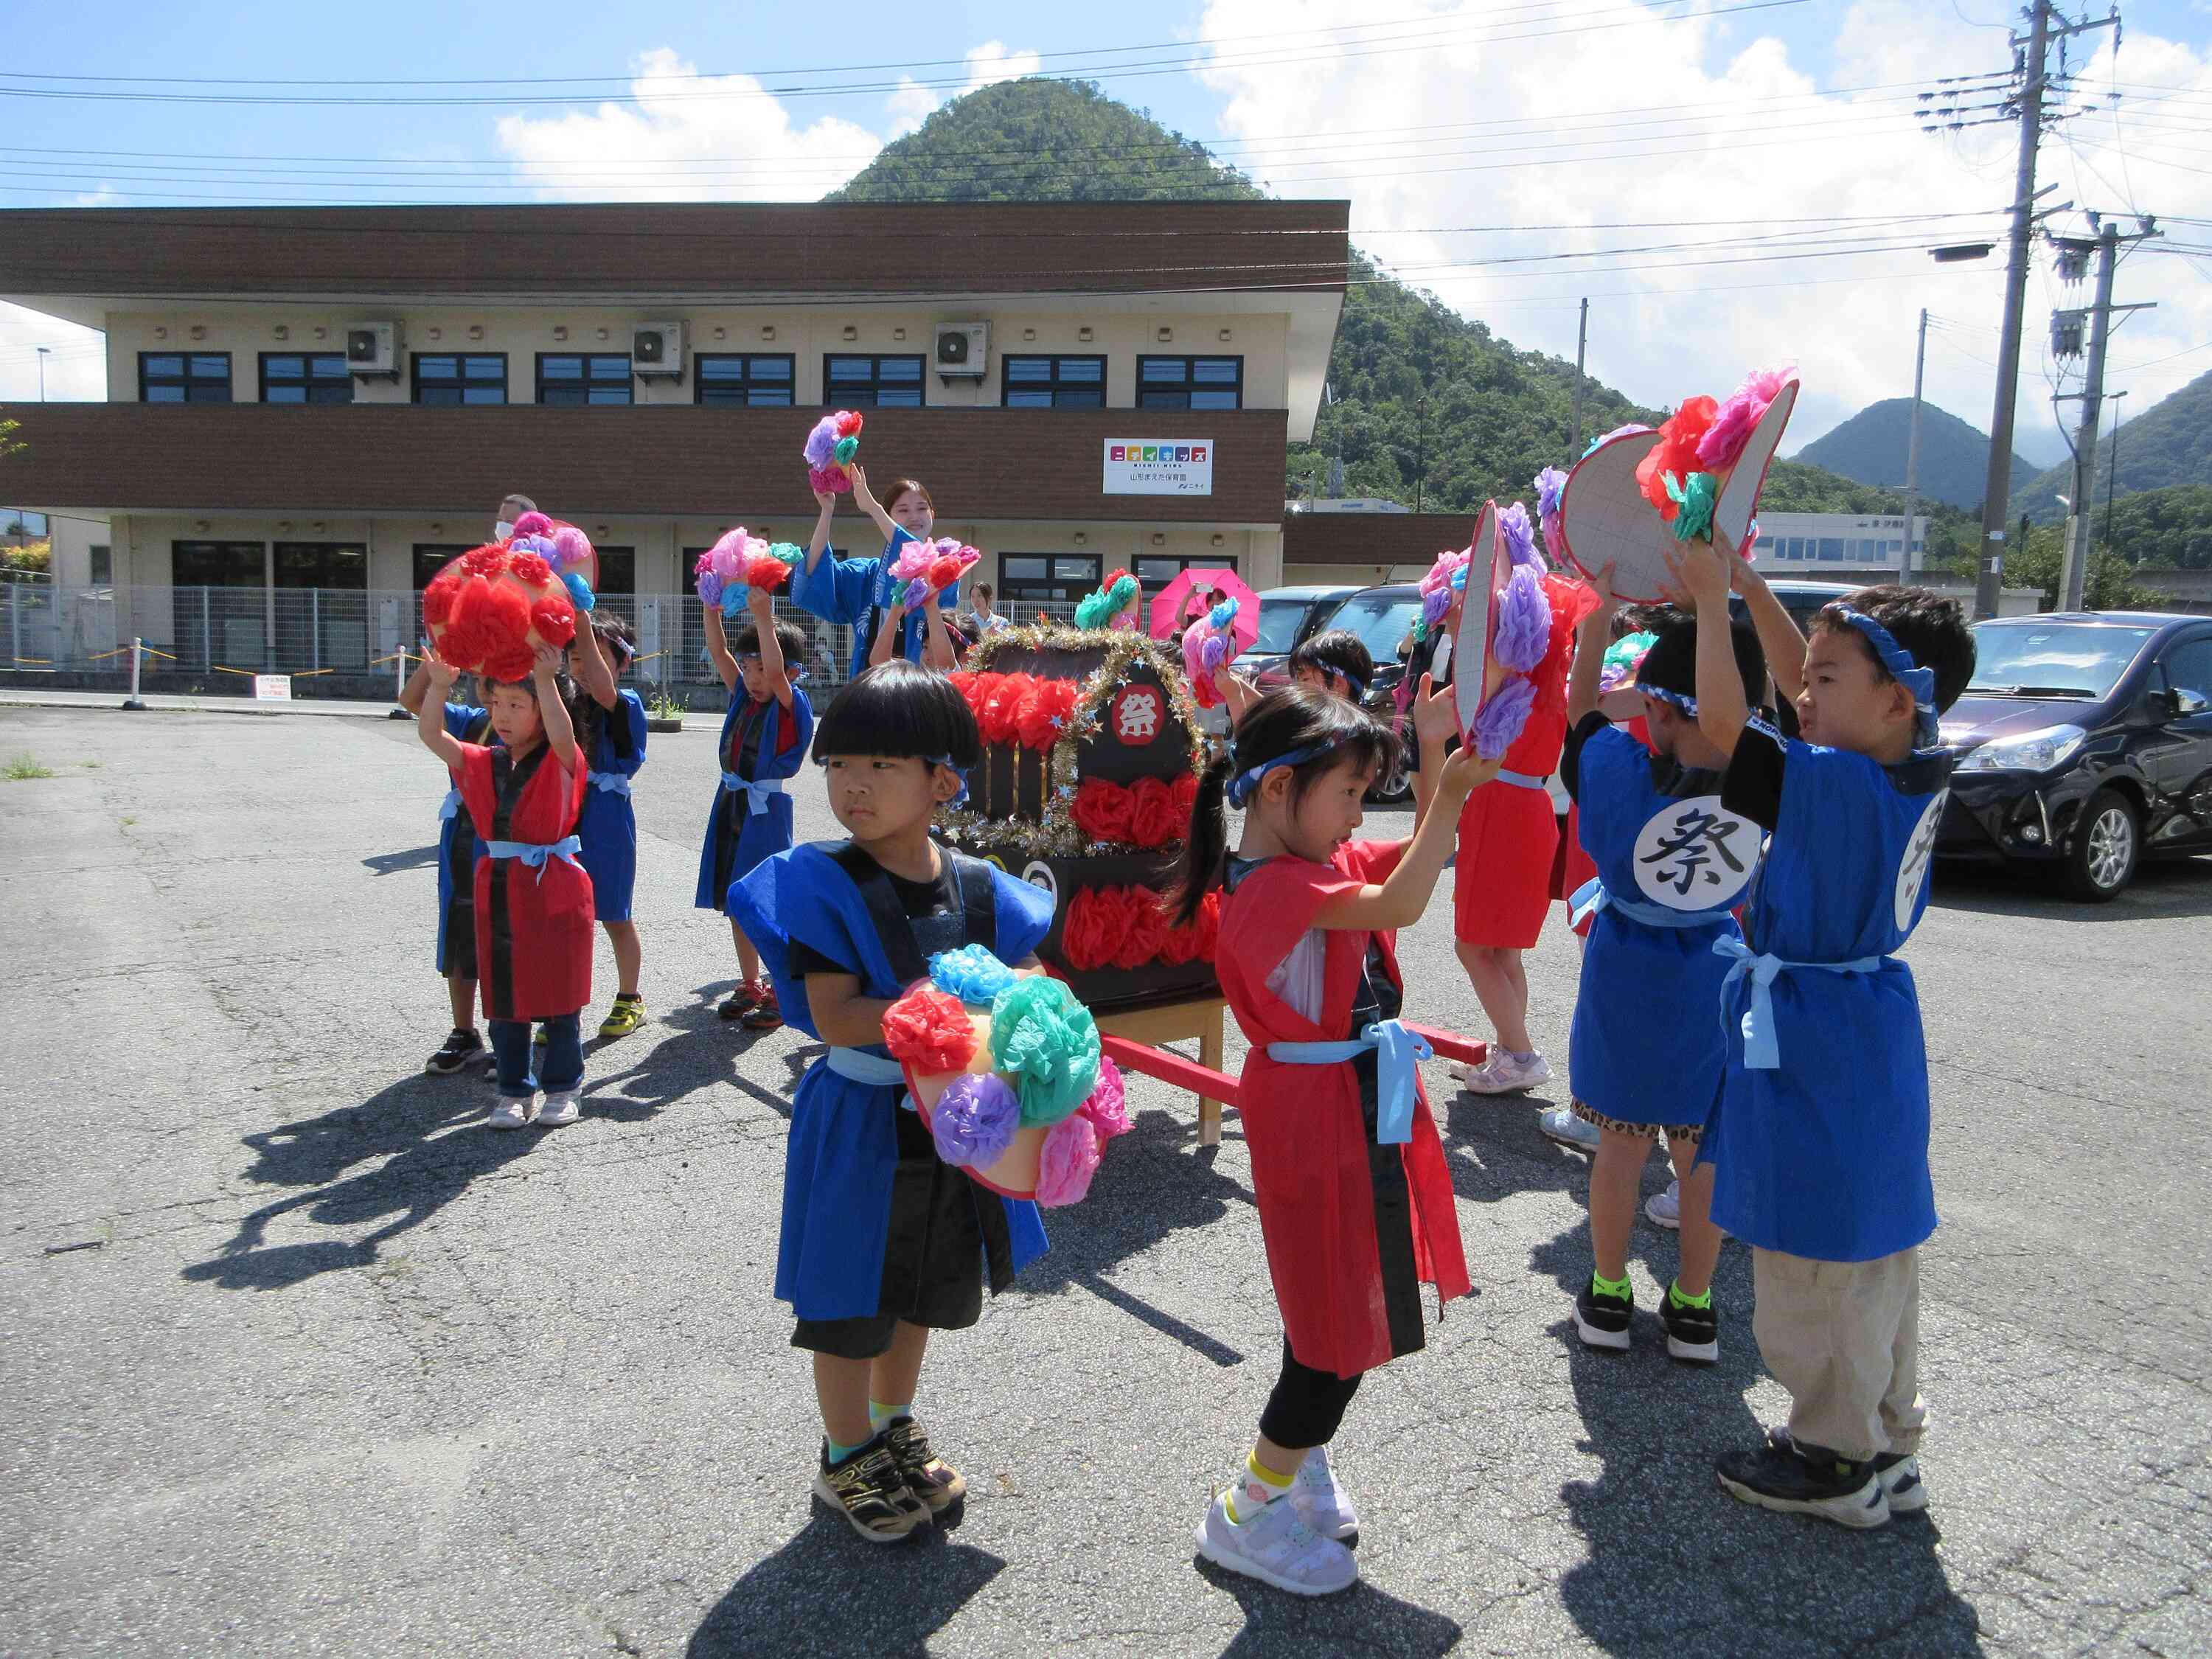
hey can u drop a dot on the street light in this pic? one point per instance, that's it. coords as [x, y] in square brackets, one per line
[42, 351]
[1960, 253]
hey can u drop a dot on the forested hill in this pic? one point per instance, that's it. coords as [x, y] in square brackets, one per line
[1493, 414]
[1955, 457]
[2168, 444]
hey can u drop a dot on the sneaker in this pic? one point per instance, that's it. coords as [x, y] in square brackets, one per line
[765, 1014]
[560, 1108]
[1665, 1208]
[1781, 1475]
[511, 1112]
[625, 1017]
[1560, 1124]
[743, 999]
[1693, 1333]
[869, 1492]
[928, 1476]
[1322, 1503]
[1502, 1074]
[539, 1036]
[1898, 1473]
[462, 1048]
[1277, 1548]
[1602, 1321]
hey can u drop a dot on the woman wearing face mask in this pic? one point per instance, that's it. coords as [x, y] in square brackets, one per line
[511, 509]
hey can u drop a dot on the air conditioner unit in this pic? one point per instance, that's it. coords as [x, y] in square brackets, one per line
[373, 350]
[657, 349]
[962, 348]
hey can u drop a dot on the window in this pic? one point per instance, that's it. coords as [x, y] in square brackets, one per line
[1052, 382]
[742, 379]
[216, 564]
[306, 377]
[582, 378]
[2188, 666]
[1045, 578]
[1832, 548]
[431, 557]
[1190, 383]
[448, 377]
[103, 566]
[1157, 573]
[860, 382]
[618, 569]
[321, 564]
[184, 377]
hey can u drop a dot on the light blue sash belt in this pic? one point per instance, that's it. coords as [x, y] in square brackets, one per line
[1594, 896]
[535, 853]
[1399, 1051]
[1522, 780]
[450, 805]
[615, 783]
[1761, 1051]
[859, 1065]
[757, 795]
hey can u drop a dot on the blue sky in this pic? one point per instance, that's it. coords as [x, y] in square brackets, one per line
[1422, 203]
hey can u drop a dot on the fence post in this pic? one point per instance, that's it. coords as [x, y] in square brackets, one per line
[207, 636]
[133, 700]
[315, 627]
[14, 625]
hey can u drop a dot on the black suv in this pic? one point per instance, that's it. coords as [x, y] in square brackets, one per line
[2084, 742]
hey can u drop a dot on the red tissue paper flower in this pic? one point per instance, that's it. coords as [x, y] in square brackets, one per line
[944, 572]
[930, 1031]
[764, 572]
[1676, 452]
[438, 598]
[1148, 928]
[532, 569]
[487, 561]
[1153, 820]
[1047, 713]
[554, 616]
[1185, 789]
[1103, 809]
[1097, 923]
[848, 422]
[1000, 714]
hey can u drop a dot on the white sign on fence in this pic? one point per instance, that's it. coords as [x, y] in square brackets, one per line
[272, 687]
[1159, 466]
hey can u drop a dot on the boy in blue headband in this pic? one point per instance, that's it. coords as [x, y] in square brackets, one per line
[1820, 1141]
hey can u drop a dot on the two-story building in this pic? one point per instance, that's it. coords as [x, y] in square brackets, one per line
[331, 402]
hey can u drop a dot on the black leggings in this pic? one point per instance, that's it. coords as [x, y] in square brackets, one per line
[1306, 1406]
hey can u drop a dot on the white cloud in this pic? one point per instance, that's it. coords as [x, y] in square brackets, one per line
[1679, 122]
[992, 62]
[717, 138]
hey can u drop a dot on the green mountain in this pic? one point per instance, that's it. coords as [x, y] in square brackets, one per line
[2169, 444]
[1955, 457]
[1425, 404]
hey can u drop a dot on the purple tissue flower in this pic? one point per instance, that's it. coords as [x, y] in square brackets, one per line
[1520, 537]
[1551, 485]
[1524, 622]
[975, 1120]
[1499, 723]
[822, 443]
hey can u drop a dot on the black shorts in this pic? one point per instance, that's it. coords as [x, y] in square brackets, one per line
[942, 1227]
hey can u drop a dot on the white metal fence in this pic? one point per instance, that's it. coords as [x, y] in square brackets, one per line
[342, 642]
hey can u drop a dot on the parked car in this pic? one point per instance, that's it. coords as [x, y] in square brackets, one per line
[1289, 617]
[2084, 744]
[1803, 600]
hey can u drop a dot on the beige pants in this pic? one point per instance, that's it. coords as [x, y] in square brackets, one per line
[1844, 1337]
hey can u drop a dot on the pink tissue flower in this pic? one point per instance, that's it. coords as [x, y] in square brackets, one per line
[1066, 1162]
[1108, 1105]
[1723, 440]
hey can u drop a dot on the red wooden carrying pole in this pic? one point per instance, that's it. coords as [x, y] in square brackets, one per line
[1171, 1068]
[1450, 1045]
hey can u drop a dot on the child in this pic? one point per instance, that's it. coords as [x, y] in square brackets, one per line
[534, 901]
[1820, 1141]
[763, 742]
[940, 649]
[611, 731]
[1671, 865]
[1502, 881]
[1334, 661]
[860, 590]
[1348, 1173]
[456, 859]
[882, 1243]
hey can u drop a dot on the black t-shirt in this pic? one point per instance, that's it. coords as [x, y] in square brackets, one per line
[918, 899]
[1752, 785]
[1668, 775]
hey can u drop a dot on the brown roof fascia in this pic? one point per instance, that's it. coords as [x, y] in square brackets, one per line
[1373, 539]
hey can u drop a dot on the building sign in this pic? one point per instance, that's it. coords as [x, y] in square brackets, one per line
[272, 687]
[1159, 466]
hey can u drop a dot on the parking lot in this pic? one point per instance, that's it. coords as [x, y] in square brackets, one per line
[298, 1360]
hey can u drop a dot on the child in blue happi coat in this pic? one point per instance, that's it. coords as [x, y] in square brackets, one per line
[457, 861]
[1646, 1058]
[609, 725]
[860, 593]
[883, 1242]
[764, 745]
[1819, 1142]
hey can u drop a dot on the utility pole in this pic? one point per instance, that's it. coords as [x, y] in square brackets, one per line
[2092, 396]
[1582, 347]
[1912, 444]
[42, 351]
[1421, 465]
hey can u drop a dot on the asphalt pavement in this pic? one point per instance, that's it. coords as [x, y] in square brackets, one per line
[298, 1359]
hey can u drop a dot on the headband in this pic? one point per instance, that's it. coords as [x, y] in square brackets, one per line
[1242, 785]
[1921, 682]
[1676, 699]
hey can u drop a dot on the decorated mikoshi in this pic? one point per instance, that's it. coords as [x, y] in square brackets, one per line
[1638, 491]
[490, 609]
[1005, 1069]
[1090, 747]
[830, 450]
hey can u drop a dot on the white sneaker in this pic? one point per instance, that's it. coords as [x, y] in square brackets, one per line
[1665, 1208]
[1901, 1480]
[1502, 1074]
[1277, 1548]
[511, 1112]
[559, 1109]
[1560, 1124]
[1322, 1503]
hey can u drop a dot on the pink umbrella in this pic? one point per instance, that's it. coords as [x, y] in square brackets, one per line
[1196, 592]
